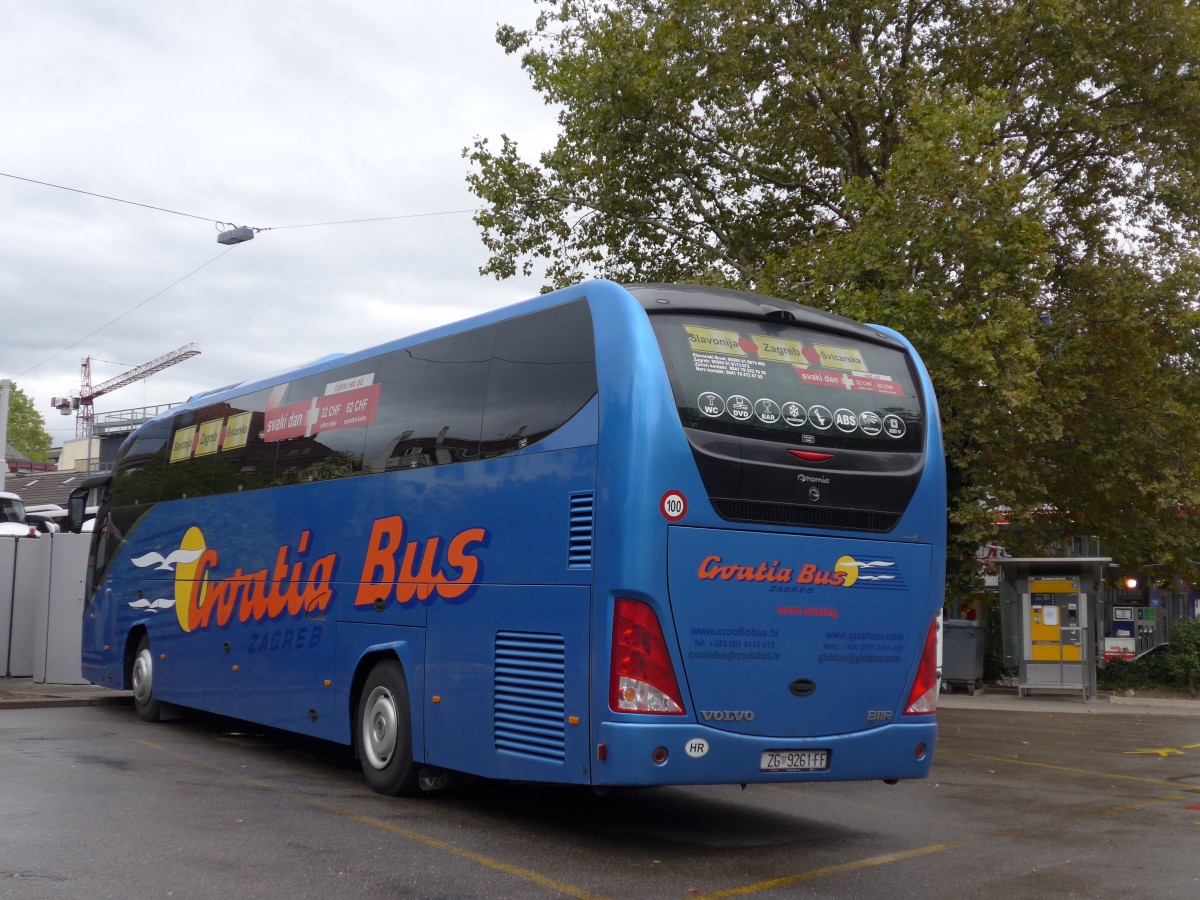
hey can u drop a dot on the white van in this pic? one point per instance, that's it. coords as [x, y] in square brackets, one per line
[12, 517]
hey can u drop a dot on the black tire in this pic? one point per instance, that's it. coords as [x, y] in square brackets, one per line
[383, 731]
[142, 681]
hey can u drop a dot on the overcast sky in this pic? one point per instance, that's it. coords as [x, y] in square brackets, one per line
[265, 113]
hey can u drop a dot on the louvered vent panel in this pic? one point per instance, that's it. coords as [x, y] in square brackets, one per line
[529, 696]
[579, 549]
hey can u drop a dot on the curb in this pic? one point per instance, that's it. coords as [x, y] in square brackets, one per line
[1154, 701]
[41, 701]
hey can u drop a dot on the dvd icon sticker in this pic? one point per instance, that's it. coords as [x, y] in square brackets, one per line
[739, 407]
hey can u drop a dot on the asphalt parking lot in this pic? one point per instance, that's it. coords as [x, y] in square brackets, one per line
[1030, 798]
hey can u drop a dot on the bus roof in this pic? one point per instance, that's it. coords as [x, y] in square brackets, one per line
[687, 298]
[334, 360]
[680, 297]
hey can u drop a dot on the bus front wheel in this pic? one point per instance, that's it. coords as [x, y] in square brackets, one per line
[383, 731]
[142, 677]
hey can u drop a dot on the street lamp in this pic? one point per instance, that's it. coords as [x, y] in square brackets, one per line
[236, 235]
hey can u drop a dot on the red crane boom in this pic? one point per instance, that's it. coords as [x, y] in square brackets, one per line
[83, 403]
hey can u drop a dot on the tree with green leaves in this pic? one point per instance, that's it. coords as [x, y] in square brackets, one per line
[1013, 185]
[26, 427]
[1184, 657]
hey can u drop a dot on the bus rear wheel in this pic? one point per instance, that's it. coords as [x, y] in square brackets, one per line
[383, 731]
[142, 677]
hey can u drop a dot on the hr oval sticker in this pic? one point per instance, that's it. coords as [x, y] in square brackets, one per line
[673, 506]
[696, 748]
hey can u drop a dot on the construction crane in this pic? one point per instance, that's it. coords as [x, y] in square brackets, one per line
[82, 403]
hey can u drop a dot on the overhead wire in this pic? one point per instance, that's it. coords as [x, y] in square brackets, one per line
[218, 222]
[448, 212]
[175, 212]
[60, 187]
[127, 312]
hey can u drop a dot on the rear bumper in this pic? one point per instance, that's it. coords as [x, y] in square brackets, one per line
[883, 753]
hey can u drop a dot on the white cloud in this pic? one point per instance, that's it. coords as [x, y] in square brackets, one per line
[263, 114]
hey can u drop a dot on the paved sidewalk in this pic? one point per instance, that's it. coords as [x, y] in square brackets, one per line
[22, 693]
[999, 698]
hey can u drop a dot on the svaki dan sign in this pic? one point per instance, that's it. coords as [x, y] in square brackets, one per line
[349, 403]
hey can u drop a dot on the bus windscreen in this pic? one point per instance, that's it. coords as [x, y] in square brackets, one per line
[780, 382]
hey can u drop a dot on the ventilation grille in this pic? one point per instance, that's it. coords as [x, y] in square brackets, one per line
[529, 696]
[816, 517]
[579, 545]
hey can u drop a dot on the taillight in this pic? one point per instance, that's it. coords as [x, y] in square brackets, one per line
[641, 679]
[922, 699]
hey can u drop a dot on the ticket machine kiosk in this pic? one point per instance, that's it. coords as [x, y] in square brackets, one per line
[1056, 636]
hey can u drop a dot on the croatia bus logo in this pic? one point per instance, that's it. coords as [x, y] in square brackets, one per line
[396, 566]
[848, 571]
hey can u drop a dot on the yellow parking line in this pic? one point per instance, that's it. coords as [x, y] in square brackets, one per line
[1089, 772]
[568, 890]
[516, 871]
[1142, 804]
[825, 872]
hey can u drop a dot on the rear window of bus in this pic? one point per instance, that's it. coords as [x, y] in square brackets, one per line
[779, 382]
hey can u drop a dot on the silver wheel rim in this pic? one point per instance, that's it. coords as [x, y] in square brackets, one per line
[379, 728]
[143, 677]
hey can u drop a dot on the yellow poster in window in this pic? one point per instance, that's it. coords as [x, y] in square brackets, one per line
[774, 349]
[844, 358]
[714, 340]
[181, 444]
[237, 430]
[210, 437]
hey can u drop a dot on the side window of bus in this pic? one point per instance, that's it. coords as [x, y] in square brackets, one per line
[331, 441]
[243, 460]
[543, 372]
[195, 441]
[104, 547]
[115, 526]
[431, 403]
[138, 479]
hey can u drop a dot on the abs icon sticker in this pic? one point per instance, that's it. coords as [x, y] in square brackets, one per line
[673, 506]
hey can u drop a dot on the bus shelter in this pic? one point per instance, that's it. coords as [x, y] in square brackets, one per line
[1057, 603]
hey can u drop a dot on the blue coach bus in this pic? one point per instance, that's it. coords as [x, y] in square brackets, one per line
[644, 535]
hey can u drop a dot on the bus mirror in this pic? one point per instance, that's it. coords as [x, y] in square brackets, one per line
[76, 509]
